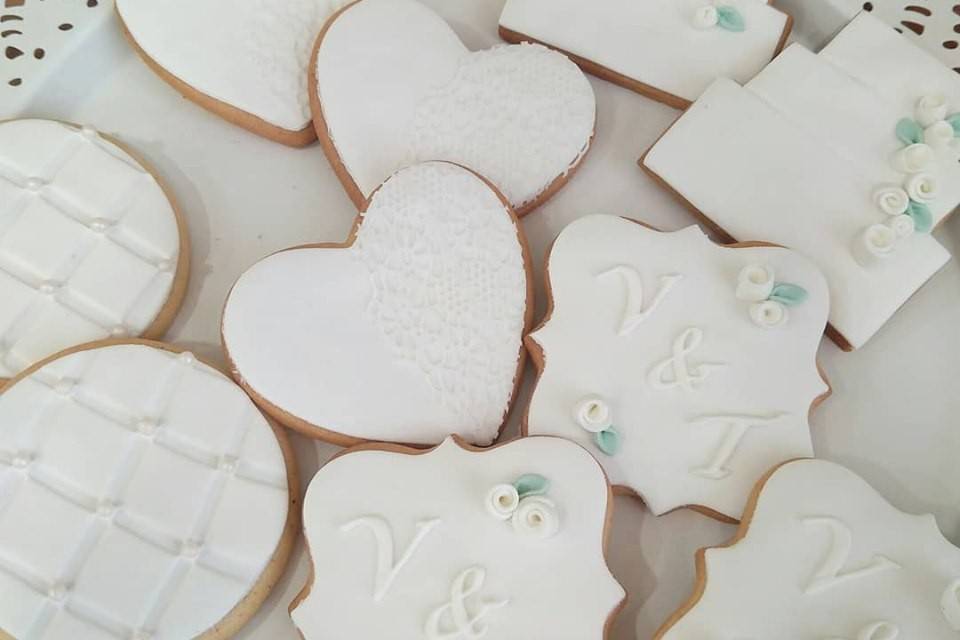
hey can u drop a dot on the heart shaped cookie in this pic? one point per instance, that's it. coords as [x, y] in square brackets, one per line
[409, 332]
[245, 60]
[393, 85]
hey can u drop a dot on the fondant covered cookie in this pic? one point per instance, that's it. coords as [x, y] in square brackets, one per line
[392, 76]
[91, 245]
[824, 556]
[670, 50]
[688, 368]
[142, 495]
[409, 332]
[850, 156]
[245, 60]
[459, 543]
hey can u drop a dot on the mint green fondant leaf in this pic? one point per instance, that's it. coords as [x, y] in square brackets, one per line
[730, 19]
[922, 216]
[909, 131]
[789, 295]
[531, 484]
[954, 121]
[608, 441]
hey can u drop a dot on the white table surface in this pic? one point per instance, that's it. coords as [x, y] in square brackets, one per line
[892, 417]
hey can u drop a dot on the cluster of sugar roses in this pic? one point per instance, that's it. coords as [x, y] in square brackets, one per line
[769, 299]
[525, 505]
[908, 204]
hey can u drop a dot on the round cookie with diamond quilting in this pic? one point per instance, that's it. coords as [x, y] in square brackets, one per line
[91, 244]
[142, 495]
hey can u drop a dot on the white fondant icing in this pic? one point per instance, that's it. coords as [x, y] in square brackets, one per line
[893, 201]
[932, 108]
[503, 501]
[461, 622]
[88, 241]
[785, 546]
[594, 415]
[254, 53]
[387, 568]
[521, 116]
[665, 436]
[411, 334]
[755, 283]
[471, 560]
[655, 42]
[735, 430]
[634, 311]
[141, 495]
[768, 314]
[950, 604]
[536, 517]
[832, 572]
[796, 155]
[676, 371]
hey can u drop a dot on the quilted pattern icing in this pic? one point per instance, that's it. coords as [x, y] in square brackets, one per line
[129, 480]
[89, 243]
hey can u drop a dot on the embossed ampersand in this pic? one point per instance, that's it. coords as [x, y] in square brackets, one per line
[454, 620]
[676, 371]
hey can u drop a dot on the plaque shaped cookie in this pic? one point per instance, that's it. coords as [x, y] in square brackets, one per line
[823, 555]
[392, 76]
[91, 244]
[409, 332]
[669, 50]
[687, 368]
[459, 543]
[36, 38]
[849, 156]
[245, 60]
[142, 495]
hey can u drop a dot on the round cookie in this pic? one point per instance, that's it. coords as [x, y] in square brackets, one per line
[142, 495]
[91, 243]
[409, 332]
[459, 543]
[822, 555]
[687, 367]
[244, 60]
[391, 75]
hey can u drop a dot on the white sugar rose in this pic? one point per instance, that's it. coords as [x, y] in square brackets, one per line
[706, 17]
[931, 108]
[768, 314]
[875, 243]
[893, 201]
[502, 501]
[593, 415]
[923, 188]
[902, 226]
[755, 283]
[939, 134]
[536, 517]
[914, 158]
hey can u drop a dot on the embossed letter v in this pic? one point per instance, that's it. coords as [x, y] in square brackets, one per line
[387, 570]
